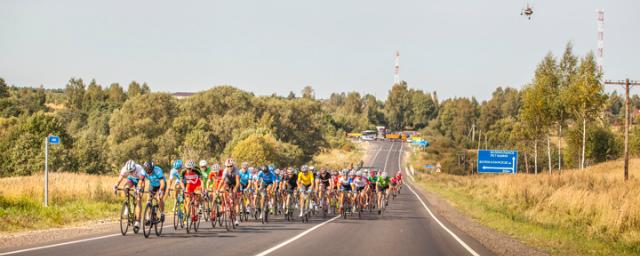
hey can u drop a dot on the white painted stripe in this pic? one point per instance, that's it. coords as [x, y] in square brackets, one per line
[272, 249]
[65, 243]
[387, 160]
[464, 245]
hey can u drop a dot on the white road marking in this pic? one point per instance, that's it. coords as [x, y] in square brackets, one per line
[65, 243]
[464, 245]
[387, 160]
[272, 249]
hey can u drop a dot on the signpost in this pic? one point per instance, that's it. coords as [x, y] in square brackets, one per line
[49, 140]
[497, 161]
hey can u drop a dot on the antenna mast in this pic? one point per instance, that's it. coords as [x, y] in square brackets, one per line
[396, 76]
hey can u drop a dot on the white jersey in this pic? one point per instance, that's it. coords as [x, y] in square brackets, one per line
[359, 182]
[135, 174]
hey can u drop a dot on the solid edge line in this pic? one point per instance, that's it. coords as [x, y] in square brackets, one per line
[272, 249]
[464, 245]
[65, 243]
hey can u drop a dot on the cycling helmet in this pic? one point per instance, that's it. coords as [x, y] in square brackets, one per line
[190, 164]
[130, 165]
[245, 165]
[304, 168]
[358, 173]
[352, 173]
[177, 164]
[277, 171]
[312, 168]
[265, 169]
[148, 166]
[229, 162]
[385, 175]
[252, 170]
[323, 170]
[270, 167]
[215, 167]
[399, 173]
[203, 163]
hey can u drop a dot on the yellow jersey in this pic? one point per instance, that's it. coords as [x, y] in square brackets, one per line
[306, 180]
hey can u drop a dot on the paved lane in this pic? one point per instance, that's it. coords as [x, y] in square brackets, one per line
[406, 229]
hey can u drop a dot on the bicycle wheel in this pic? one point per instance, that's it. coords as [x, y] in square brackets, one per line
[147, 221]
[124, 218]
[190, 218]
[227, 219]
[158, 221]
[176, 215]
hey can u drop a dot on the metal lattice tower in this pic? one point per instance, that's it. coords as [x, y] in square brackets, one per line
[600, 50]
[396, 76]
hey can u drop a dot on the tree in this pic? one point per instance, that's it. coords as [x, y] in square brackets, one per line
[136, 126]
[398, 106]
[74, 93]
[116, 95]
[567, 69]
[584, 97]
[4, 92]
[134, 89]
[94, 96]
[538, 108]
[307, 92]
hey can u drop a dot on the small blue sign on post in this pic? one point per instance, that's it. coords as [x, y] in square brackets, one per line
[428, 166]
[497, 161]
[54, 139]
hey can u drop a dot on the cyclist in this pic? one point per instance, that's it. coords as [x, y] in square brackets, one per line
[193, 180]
[382, 185]
[158, 183]
[245, 182]
[344, 184]
[174, 174]
[359, 184]
[266, 179]
[133, 172]
[289, 184]
[324, 184]
[214, 177]
[305, 183]
[205, 171]
[231, 183]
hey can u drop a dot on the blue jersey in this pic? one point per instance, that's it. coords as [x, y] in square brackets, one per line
[245, 177]
[155, 176]
[175, 173]
[267, 178]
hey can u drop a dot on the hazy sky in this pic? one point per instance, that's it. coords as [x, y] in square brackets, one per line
[457, 48]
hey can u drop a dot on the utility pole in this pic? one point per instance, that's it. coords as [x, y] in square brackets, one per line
[627, 85]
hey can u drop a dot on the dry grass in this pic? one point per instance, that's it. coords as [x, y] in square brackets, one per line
[340, 158]
[73, 198]
[594, 204]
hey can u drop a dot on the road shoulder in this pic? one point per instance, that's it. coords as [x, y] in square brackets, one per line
[496, 242]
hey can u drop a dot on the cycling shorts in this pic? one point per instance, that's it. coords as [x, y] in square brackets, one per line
[305, 187]
[345, 188]
[192, 187]
[359, 189]
[131, 183]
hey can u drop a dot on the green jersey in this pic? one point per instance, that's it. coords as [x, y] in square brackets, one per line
[205, 175]
[384, 182]
[373, 179]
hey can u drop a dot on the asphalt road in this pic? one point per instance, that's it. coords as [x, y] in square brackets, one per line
[407, 228]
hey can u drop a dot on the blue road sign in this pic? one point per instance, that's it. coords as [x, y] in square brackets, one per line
[497, 161]
[428, 166]
[54, 139]
[422, 143]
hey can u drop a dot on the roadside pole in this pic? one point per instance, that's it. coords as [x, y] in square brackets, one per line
[46, 172]
[627, 84]
[48, 140]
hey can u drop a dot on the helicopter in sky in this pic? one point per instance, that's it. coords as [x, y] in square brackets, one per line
[527, 11]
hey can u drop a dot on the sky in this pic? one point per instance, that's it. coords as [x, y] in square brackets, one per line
[456, 48]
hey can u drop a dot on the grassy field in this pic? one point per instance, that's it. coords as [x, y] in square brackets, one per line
[340, 158]
[73, 199]
[590, 212]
